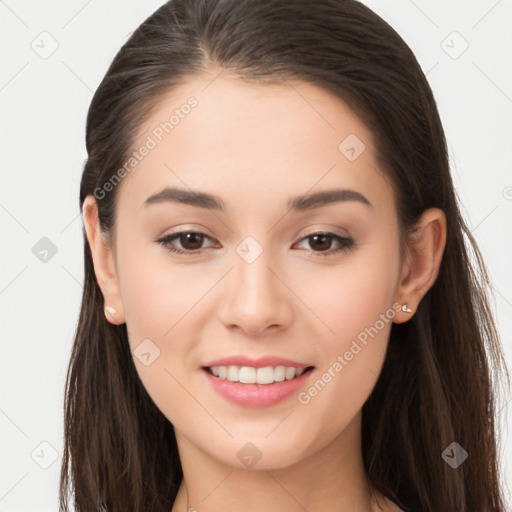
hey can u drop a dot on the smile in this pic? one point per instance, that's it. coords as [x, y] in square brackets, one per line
[256, 387]
[251, 375]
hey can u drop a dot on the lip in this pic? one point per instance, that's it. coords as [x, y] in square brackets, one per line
[261, 362]
[256, 395]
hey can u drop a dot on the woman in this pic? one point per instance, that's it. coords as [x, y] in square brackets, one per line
[280, 311]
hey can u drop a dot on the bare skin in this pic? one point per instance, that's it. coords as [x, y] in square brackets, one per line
[255, 147]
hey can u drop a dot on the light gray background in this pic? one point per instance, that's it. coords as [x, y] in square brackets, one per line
[44, 103]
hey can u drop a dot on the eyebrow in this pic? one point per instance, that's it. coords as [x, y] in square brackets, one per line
[300, 203]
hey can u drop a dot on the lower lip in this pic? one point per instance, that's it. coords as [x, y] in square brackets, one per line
[256, 395]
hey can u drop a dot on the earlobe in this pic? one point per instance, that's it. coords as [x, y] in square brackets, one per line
[103, 261]
[420, 271]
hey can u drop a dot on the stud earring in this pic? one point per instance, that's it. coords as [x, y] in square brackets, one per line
[109, 309]
[406, 309]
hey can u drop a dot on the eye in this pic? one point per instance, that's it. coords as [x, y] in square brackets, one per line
[190, 241]
[323, 240]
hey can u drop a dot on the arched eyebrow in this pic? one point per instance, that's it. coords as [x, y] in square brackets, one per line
[183, 196]
[212, 202]
[326, 197]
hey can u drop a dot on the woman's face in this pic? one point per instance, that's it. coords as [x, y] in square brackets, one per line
[254, 282]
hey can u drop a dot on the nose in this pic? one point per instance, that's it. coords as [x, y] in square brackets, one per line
[256, 298]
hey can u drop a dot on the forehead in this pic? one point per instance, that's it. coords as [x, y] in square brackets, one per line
[244, 141]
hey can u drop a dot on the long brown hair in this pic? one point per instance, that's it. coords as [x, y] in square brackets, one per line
[437, 385]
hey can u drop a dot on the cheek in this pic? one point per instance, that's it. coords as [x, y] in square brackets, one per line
[164, 303]
[357, 306]
[157, 299]
[351, 296]
[156, 293]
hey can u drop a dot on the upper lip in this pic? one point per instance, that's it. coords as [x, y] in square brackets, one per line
[261, 362]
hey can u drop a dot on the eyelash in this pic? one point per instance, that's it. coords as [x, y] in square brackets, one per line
[347, 243]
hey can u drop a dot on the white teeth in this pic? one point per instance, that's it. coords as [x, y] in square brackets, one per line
[233, 374]
[250, 375]
[246, 374]
[265, 375]
[289, 373]
[279, 373]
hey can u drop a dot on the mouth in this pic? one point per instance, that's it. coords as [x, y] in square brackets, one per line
[265, 376]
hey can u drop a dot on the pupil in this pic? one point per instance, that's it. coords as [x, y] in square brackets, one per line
[189, 238]
[323, 237]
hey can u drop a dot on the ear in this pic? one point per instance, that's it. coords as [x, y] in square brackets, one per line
[104, 262]
[421, 266]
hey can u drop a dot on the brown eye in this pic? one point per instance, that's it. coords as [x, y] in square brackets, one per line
[190, 242]
[320, 243]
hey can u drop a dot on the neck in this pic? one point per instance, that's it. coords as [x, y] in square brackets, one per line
[333, 478]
